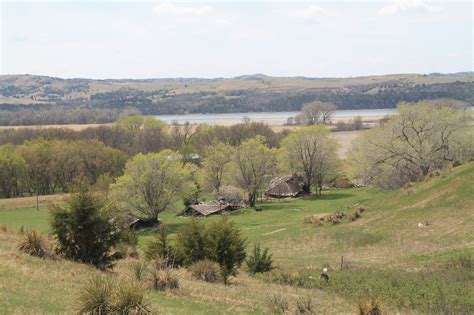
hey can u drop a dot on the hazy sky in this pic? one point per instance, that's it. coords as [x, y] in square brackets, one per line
[126, 39]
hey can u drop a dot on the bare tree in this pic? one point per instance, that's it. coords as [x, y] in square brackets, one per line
[421, 138]
[317, 112]
[311, 151]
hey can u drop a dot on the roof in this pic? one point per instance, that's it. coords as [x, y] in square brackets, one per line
[205, 209]
[286, 186]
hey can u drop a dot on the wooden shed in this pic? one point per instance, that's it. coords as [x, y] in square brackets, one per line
[285, 187]
[205, 209]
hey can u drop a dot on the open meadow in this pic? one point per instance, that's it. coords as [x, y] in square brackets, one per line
[412, 250]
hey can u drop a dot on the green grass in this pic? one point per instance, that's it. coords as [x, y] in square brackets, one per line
[385, 252]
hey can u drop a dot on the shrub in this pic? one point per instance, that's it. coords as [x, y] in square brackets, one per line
[369, 307]
[277, 302]
[165, 279]
[86, 232]
[100, 295]
[226, 246]
[161, 251]
[130, 298]
[305, 305]
[191, 242]
[139, 269]
[206, 270]
[34, 244]
[259, 261]
[95, 296]
[219, 241]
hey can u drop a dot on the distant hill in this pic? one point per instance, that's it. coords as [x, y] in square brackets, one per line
[246, 93]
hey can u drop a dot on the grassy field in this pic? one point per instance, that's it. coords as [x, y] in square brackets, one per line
[386, 254]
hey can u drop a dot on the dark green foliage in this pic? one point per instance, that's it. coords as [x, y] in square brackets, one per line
[161, 251]
[225, 246]
[86, 232]
[191, 242]
[206, 270]
[219, 241]
[259, 261]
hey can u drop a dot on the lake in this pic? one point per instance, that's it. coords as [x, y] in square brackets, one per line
[275, 118]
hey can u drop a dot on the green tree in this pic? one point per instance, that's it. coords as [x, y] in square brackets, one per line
[12, 171]
[254, 162]
[153, 183]
[86, 231]
[421, 138]
[311, 152]
[215, 165]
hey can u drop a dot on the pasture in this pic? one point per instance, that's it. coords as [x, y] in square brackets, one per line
[385, 252]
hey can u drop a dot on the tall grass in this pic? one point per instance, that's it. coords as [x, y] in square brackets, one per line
[34, 244]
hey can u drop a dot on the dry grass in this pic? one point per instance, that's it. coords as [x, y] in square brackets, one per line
[26, 202]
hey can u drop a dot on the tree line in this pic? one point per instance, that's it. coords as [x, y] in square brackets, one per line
[51, 166]
[108, 106]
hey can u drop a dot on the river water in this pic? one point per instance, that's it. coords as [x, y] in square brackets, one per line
[274, 118]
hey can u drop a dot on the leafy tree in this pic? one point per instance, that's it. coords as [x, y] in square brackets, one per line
[311, 152]
[317, 112]
[12, 171]
[86, 231]
[421, 138]
[254, 161]
[215, 165]
[153, 183]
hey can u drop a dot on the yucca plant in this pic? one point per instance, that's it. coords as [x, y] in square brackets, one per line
[34, 244]
[95, 296]
[130, 297]
[206, 270]
[165, 279]
[139, 269]
[305, 305]
[369, 307]
[277, 302]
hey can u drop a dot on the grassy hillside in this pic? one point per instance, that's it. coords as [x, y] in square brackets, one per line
[250, 93]
[386, 254]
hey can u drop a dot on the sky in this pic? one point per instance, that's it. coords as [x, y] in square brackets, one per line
[162, 39]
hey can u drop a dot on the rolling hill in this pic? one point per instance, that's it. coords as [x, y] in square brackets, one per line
[412, 249]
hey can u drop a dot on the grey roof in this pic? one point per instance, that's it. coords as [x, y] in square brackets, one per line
[286, 186]
[205, 209]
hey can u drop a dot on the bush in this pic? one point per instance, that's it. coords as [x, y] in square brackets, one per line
[369, 307]
[277, 302]
[259, 261]
[226, 246]
[191, 242]
[305, 305]
[139, 269]
[100, 295]
[34, 244]
[95, 296]
[161, 251]
[206, 270]
[219, 241]
[165, 279]
[86, 232]
[130, 298]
